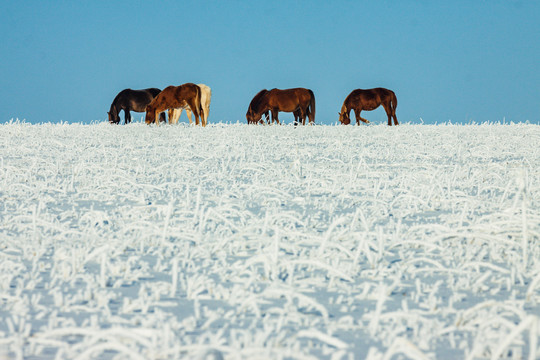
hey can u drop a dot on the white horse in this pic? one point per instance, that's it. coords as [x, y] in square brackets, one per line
[206, 95]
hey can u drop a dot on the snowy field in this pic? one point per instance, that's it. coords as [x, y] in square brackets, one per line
[269, 242]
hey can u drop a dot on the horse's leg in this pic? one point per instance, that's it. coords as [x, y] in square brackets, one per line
[393, 106]
[275, 116]
[298, 117]
[127, 116]
[197, 117]
[194, 109]
[358, 117]
[188, 112]
[394, 116]
[388, 109]
[174, 115]
[206, 113]
[388, 113]
[202, 114]
[177, 114]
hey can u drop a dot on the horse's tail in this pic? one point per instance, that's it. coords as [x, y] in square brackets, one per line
[311, 108]
[199, 102]
[393, 104]
[207, 94]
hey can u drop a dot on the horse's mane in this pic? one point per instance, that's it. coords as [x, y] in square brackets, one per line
[256, 99]
[121, 93]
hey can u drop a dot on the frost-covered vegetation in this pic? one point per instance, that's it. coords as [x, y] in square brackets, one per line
[242, 242]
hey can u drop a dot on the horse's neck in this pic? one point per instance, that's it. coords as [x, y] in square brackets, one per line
[261, 109]
[263, 105]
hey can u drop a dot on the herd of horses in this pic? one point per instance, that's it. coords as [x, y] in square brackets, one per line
[195, 99]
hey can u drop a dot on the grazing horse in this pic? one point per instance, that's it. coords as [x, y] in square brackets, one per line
[299, 101]
[206, 95]
[368, 100]
[174, 97]
[131, 100]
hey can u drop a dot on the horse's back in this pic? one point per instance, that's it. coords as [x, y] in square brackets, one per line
[381, 92]
[302, 94]
[125, 98]
[369, 99]
[384, 93]
[190, 88]
[130, 94]
[368, 94]
[169, 89]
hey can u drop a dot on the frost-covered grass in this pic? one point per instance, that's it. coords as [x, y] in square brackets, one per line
[242, 242]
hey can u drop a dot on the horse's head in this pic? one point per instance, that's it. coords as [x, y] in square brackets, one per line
[113, 117]
[255, 108]
[150, 116]
[344, 118]
[250, 116]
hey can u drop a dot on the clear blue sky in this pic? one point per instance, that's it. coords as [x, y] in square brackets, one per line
[446, 60]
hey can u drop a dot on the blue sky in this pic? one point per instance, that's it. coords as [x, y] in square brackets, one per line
[458, 61]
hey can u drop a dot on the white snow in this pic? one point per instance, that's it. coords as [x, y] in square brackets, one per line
[242, 242]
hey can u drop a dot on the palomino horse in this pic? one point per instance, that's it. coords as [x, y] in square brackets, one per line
[131, 100]
[174, 97]
[368, 100]
[206, 95]
[299, 101]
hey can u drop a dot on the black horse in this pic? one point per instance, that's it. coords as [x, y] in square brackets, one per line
[132, 100]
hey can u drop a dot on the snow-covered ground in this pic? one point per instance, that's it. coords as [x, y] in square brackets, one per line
[244, 242]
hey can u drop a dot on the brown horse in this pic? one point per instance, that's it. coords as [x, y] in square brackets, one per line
[299, 101]
[175, 97]
[131, 100]
[368, 100]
